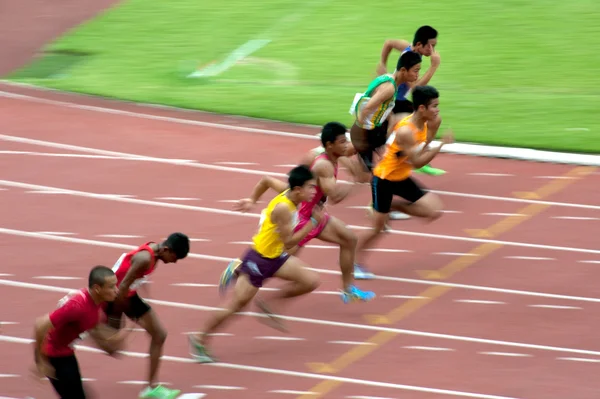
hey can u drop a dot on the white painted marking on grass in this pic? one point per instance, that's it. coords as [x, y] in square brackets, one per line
[428, 348]
[195, 285]
[528, 258]
[236, 163]
[503, 214]
[480, 301]
[291, 392]
[490, 174]
[118, 236]
[574, 218]
[404, 297]
[252, 171]
[275, 338]
[120, 246]
[508, 354]
[455, 254]
[554, 306]
[177, 199]
[220, 387]
[351, 343]
[57, 278]
[577, 129]
[579, 359]
[180, 305]
[57, 233]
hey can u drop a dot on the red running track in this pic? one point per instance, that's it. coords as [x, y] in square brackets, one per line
[518, 322]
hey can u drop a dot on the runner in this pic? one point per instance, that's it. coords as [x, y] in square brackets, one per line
[325, 168]
[268, 258]
[131, 269]
[56, 332]
[424, 44]
[405, 150]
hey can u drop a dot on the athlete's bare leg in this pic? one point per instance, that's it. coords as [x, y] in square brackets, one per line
[337, 232]
[158, 336]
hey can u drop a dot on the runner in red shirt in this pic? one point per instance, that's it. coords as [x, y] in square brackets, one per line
[56, 332]
[131, 270]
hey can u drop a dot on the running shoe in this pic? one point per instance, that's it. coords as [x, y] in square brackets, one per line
[199, 352]
[362, 273]
[159, 392]
[229, 275]
[430, 170]
[355, 294]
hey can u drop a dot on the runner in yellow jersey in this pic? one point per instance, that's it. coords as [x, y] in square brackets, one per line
[268, 257]
[406, 150]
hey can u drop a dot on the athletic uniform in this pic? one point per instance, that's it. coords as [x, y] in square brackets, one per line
[306, 208]
[267, 255]
[76, 314]
[136, 307]
[403, 104]
[392, 175]
[371, 135]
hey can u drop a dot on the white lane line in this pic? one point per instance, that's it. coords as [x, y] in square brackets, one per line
[554, 307]
[57, 233]
[366, 397]
[200, 240]
[404, 296]
[429, 348]
[450, 211]
[503, 214]
[490, 174]
[118, 236]
[220, 387]
[507, 354]
[455, 254]
[332, 323]
[579, 359]
[313, 376]
[480, 301]
[574, 218]
[211, 335]
[120, 246]
[557, 177]
[589, 261]
[9, 323]
[235, 163]
[256, 216]
[177, 199]
[262, 173]
[351, 343]
[528, 258]
[9, 375]
[6, 275]
[275, 338]
[292, 392]
[195, 285]
[286, 165]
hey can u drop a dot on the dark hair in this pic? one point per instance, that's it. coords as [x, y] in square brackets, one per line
[331, 131]
[424, 34]
[179, 243]
[408, 60]
[423, 95]
[299, 176]
[98, 276]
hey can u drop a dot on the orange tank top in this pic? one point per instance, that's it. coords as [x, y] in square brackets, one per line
[393, 165]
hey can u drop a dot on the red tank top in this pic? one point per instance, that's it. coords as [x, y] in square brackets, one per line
[122, 266]
[306, 208]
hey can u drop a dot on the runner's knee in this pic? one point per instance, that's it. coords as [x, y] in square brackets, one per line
[311, 282]
[159, 335]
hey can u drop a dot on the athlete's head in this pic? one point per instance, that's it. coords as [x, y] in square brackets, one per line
[425, 40]
[302, 183]
[333, 138]
[409, 66]
[174, 248]
[426, 101]
[102, 283]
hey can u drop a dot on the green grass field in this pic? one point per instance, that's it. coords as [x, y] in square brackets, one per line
[512, 73]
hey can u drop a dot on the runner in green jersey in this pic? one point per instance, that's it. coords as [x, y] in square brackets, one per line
[373, 107]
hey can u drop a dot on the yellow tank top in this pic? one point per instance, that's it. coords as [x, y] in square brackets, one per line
[393, 166]
[267, 241]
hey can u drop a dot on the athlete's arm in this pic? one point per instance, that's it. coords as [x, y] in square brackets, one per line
[355, 169]
[383, 92]
[282, 217]
[267, 182]
[40, 330]
[435, 63]
[334, 191]
[388, 46]
[140, 262]
[417, 155]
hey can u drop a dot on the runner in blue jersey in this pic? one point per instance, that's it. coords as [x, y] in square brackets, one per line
[424, 44]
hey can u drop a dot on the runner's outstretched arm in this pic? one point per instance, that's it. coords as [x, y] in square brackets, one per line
[267, 182]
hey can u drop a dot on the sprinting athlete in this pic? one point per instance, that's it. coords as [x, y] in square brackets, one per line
[324, 166]
[56, 332]
[405, 150]
[131, 269]
[424, 43]
[269, 257]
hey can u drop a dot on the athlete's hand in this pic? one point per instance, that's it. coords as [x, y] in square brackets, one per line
[448, 137]
[381, 69]
[243, 205]
[435, 59]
